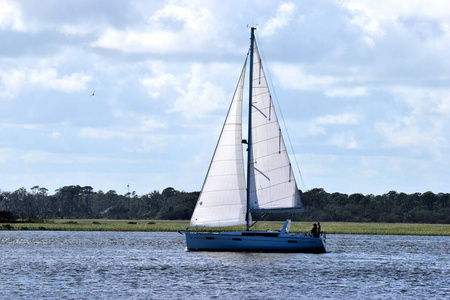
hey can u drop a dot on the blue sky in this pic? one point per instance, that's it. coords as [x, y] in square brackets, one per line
[363, 87]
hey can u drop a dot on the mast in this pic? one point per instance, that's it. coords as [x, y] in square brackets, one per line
[249, 149]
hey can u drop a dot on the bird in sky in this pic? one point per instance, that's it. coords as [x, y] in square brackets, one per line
[93, 93]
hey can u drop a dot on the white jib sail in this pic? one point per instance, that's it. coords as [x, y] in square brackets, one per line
[272, 182]
[222, 201]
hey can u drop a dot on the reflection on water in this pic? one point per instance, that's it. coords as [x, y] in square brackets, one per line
[136, 265]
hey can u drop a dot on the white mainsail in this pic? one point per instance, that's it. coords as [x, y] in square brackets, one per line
[222, 201]
[272, 182]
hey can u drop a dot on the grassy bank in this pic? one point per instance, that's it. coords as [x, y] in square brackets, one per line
[167, 226]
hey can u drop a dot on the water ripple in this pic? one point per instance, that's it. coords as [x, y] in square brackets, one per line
[113, 265]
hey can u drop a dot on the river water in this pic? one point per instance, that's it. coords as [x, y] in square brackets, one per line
[155, 265]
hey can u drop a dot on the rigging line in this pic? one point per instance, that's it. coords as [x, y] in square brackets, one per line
[270, 106]
[263, 217]
[269, 76]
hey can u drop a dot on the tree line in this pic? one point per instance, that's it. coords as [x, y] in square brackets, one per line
[82, 202]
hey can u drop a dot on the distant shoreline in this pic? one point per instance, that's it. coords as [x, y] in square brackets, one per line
[174, 226]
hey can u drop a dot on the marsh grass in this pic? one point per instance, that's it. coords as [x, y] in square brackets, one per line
[173, 226]
[379, 228]
[101, 225]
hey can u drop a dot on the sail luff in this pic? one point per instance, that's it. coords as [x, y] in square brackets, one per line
[222, 198]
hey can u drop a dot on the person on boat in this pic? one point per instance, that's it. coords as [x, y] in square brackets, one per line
[319, 229]
[314, 230]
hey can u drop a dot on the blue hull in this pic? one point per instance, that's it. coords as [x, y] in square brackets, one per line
[254, 241]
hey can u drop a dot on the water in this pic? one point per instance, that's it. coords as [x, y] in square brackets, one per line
[137, 265]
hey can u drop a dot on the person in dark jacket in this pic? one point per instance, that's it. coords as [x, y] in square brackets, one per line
[314, 230]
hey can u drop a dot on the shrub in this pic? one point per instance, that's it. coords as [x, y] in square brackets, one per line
[7, 227]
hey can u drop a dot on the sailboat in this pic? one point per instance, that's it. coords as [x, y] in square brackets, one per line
[228, 198]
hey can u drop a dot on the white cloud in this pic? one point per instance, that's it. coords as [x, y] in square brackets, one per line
[150, 125]
[423, 128]
[342, 119]
[153, 142]
[201, 96]
[314, 129]
[55, 134]
[26, 126]
[406, 132]
[111, 133]
[193, 15]
[130, 41]
[145, 126]
[194, 93]
[424, 101]
[154, 84]
[75, 18]
[347, 92]
[376, 18]
[294, 77]
[11, 16]
[367, 20]
[158, 81]
[413, 9]
[344, 141]
[46, 157]
[49, 79]
[76, 30]
[281, 19]
[318, 126]
[101, 133]
[196, 21]
[5, 155]
[10, 83]
[45, 78]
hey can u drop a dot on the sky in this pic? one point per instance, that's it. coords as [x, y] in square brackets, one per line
[132, 95]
